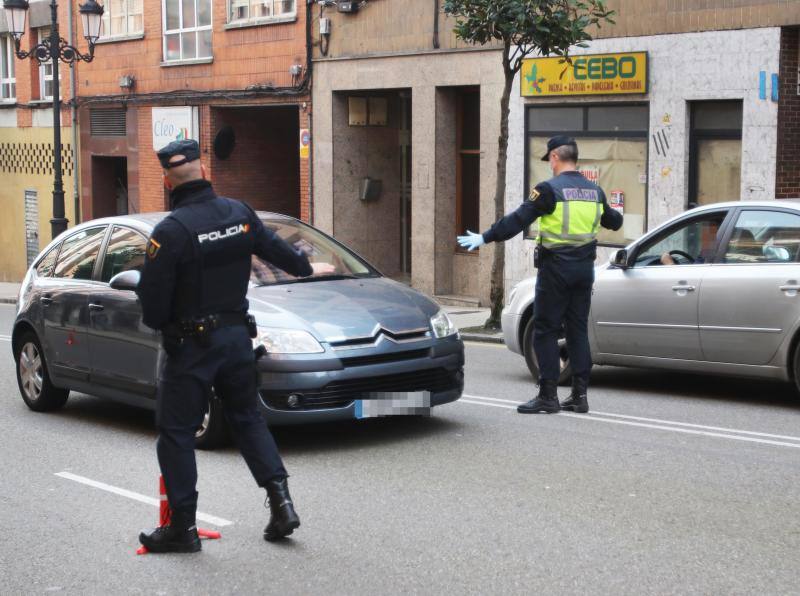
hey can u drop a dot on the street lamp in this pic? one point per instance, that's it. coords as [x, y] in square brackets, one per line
[53, 49]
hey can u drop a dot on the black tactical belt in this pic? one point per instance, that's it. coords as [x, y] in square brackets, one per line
[202, 326]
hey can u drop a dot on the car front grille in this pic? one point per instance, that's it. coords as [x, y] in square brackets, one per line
[383, 358]
[341, 393]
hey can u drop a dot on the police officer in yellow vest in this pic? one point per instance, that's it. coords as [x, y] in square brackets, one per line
[570, 210]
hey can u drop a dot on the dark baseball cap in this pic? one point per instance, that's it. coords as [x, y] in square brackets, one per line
[557, 142]
[188, 148]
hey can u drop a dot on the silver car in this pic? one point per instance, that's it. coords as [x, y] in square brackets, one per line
[713, 290]
[350, 344]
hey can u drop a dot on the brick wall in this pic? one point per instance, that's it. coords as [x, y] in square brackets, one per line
[27, 71]
[241, 57]
[653, 17]
[787, 184]
[264, 168]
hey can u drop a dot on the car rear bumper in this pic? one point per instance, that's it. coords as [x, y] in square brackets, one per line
[329, 395]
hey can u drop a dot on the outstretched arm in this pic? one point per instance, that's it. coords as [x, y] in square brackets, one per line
[541, 202]
[271, 247]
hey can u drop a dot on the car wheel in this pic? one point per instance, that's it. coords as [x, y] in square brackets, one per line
[565, 374]
[213, 431]
[33, 379]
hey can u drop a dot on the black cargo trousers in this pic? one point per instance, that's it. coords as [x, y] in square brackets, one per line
[228, 365]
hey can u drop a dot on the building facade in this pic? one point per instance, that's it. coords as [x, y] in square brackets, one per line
[715, 118]
[233, 75]
[406, 121]
[26, 145]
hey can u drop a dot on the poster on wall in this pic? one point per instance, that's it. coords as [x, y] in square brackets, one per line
[174, 124]
[305, 143]
[617, 201]
[591, 174]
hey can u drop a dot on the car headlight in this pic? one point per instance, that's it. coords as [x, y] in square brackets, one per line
[287, 341]
[442, 325]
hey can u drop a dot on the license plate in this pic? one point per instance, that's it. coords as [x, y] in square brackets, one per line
[415, 403]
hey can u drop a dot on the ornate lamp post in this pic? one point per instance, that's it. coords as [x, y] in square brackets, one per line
[53, 49]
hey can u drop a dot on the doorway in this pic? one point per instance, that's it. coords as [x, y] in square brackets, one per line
[109, 186]
[715, 152]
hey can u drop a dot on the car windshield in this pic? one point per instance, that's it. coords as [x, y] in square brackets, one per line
[330, 259]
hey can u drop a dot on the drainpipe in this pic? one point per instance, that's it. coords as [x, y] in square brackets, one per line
[74, 112]
[436, 25]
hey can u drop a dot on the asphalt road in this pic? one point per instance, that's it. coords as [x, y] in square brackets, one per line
[672, 485]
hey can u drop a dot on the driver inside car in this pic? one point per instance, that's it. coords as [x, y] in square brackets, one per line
[708, 241]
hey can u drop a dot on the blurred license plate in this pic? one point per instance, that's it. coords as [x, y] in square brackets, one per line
[415, 403]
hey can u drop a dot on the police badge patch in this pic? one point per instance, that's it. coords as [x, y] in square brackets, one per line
[534, 195]
[152, 249]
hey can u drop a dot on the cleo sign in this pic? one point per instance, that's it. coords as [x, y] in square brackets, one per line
[173, 124]
[593, 74]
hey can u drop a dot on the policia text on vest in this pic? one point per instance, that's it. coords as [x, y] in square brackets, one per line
[570, 210]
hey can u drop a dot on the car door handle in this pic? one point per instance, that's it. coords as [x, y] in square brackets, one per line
[96, 307]
[683, 288]
[789, 289]
[46, 300]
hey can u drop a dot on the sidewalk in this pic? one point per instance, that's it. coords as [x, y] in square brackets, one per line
[468, 318]
[9, 292]
[462, 316]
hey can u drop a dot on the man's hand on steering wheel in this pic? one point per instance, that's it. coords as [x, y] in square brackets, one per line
[675, 252]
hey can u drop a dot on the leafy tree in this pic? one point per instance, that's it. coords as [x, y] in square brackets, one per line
[522, 27]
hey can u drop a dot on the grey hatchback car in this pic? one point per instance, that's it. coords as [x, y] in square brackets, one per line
[342, 345]
[713, 290]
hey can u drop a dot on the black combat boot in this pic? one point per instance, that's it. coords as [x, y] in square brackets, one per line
[283, 519]
[546, 402]
[180, 536]
[577, 401]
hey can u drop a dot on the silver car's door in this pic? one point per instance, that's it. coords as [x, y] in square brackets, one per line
[64, 302]
[750, 298]
[650, 309]
[123, 350]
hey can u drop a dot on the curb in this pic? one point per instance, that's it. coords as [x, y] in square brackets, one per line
[482, 337]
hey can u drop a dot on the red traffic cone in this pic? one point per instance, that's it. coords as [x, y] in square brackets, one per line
[165, 514]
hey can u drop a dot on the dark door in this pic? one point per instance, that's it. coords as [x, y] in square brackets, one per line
[123, 350]
[65, 303]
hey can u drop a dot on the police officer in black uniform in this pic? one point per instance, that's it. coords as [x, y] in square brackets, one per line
[570, 210]
[193, 289]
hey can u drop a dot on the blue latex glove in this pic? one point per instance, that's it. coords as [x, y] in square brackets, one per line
[471, 241]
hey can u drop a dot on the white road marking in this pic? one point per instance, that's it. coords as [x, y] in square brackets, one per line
[678, 427]
[480, 403]
[5, 338]
[217, 521]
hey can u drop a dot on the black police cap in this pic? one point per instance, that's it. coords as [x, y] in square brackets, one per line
[188, 148]
[557, 142]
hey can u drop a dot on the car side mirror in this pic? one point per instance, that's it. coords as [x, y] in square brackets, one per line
[127, 280]
[620, 259]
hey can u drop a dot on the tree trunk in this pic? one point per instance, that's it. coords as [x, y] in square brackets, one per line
[497, 291]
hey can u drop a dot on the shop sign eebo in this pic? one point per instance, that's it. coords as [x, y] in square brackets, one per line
[608, 67]
[595, 74]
